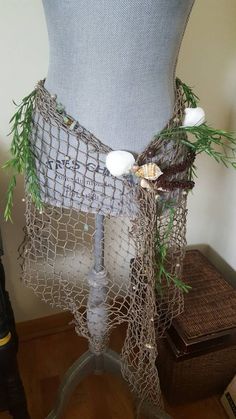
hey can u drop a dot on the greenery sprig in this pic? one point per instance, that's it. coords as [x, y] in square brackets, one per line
[190, 99]
[219, 145]
[23, 160]
[161, 253]
[216, 143]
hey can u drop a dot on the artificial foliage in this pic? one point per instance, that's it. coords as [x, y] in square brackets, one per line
[22, 161]
[190, 98]
[163, 275]
[217, 144]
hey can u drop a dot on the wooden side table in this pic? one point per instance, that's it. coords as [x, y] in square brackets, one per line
[12, 395]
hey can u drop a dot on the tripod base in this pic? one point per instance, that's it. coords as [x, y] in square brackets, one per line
[152, 412]
[88, 364]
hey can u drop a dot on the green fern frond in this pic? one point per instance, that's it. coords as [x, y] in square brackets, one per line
[22, 160]
[190, 99]
[161, 251]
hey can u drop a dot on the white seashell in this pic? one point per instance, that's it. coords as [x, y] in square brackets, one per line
[162, 190]
[119, 162]
[145, 184]
[135, 168]
[193, 117]
[149, 346]
[149, 171]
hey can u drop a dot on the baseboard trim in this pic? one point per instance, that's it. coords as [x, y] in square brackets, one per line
[49, 325]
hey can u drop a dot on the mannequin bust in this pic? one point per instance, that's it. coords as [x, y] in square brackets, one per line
[112, 64]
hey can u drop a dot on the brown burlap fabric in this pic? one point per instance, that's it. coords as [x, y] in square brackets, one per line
[92, 221]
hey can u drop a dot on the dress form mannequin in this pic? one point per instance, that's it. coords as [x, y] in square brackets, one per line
[112, 64]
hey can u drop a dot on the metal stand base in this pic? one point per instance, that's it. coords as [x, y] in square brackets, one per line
[106, 361]
[88, 364]
[151, 412]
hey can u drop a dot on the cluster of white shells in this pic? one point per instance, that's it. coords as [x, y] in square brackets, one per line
[120, 162]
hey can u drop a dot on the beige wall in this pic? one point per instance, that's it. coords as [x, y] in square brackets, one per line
[24, 60]
[207, 61]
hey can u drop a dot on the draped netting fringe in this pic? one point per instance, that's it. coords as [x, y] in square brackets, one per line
[91, 216]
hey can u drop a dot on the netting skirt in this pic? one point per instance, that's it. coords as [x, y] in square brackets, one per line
[92, 249]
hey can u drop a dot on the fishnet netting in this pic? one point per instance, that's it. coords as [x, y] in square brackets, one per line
[92, 249]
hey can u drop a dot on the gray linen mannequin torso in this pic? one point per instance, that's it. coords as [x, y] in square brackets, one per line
[112, 64]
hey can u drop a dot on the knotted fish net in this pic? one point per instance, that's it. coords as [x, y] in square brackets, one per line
[104, 247]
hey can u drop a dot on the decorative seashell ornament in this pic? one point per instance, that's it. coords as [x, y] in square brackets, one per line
[161, 190]
[60, 108]
[67, 121]
[145, 184]
[193, 117]
[119, 162]
[149, 171]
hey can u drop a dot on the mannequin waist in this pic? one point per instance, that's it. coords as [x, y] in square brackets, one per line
[124, 110]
